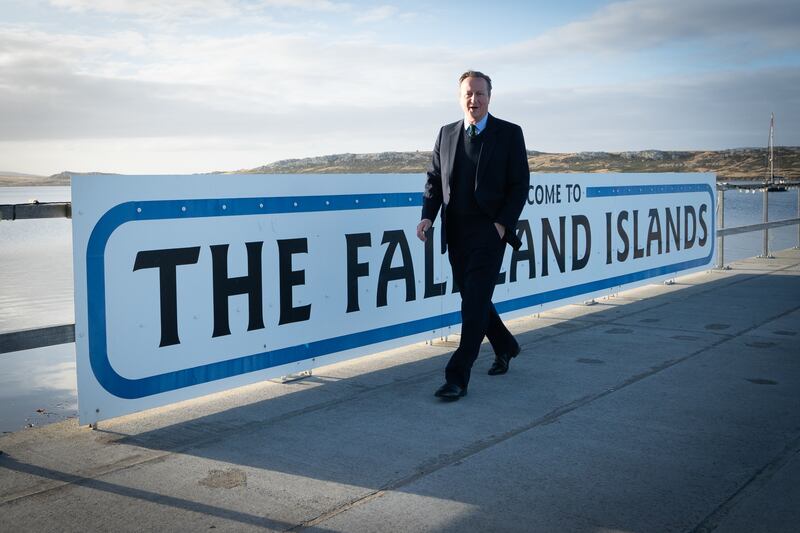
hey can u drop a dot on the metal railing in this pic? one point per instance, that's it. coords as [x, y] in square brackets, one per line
[763, 226]
[26, 339]
[35, 209]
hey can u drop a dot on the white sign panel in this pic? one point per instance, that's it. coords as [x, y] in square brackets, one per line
[186, 285]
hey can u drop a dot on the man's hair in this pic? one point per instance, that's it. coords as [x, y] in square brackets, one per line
[476, 74]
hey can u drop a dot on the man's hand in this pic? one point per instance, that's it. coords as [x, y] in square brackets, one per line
[423, 226]
[501, 230]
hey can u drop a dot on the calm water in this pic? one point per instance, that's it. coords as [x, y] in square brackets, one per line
[36, 386]
[39, 386]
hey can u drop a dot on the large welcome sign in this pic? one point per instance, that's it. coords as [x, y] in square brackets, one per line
[186, 285]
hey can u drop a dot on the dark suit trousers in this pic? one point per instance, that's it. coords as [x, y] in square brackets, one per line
[476, 254]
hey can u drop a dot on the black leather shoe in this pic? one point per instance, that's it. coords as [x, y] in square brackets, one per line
[450, 392]
[501, 360]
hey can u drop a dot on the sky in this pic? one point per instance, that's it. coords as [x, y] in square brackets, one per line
[185, 86]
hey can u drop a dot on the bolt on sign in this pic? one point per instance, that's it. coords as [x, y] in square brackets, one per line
[187, 285]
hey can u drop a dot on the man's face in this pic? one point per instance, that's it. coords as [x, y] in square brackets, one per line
[474, 99]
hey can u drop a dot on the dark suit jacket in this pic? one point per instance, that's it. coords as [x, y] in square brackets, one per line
[501, 181]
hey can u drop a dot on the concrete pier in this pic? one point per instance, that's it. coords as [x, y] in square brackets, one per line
[665, 408]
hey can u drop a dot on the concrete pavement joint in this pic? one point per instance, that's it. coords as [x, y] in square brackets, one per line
[613, 321]
[756, 481]
[59, 480]
[145, 495]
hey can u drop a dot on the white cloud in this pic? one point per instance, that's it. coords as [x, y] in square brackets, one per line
[641, 24]
[158, 9]
[713, 111]
[377, 14]
[177, 11]
[151, 135]
[308, 5]
[129, 85]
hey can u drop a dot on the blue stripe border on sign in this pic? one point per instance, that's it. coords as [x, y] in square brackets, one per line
[634, 190]
[123, 213]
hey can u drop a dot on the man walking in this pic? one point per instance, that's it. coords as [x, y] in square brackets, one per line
[479, 178]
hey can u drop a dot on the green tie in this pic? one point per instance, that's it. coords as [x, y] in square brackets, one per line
[472, 130]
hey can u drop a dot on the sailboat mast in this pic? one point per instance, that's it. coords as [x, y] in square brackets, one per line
[771, 133]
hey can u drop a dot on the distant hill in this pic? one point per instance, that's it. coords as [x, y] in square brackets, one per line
[380, 163]
[18, 174]
[17, 179]
[735, 164]
[740, 163]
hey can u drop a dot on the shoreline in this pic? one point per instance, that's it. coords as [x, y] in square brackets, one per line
[7, 182]
[740, 164]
